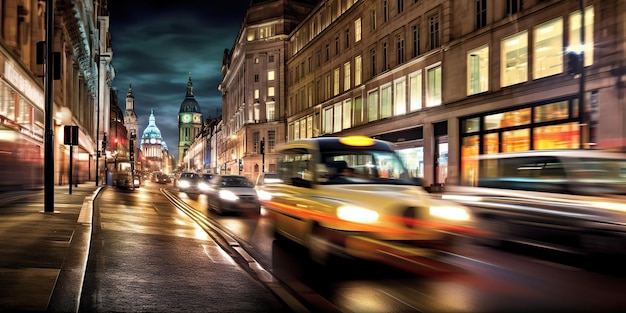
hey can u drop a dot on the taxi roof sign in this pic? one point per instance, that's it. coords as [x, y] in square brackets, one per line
[359, 141]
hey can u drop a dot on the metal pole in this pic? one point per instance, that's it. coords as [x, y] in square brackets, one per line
[49, 107]
[98, 124]
[584, 127]
[71, 164]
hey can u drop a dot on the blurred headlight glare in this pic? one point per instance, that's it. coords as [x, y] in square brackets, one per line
[203, 186]
[264, 195]
[450, 213]
[184, 183]
[357, 214]
[228, 195]
[620, 207]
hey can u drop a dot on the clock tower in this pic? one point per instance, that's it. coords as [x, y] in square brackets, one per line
[189, 123]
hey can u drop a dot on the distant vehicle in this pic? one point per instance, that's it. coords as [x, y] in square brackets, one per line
[163, 178]
[137, 180]
[204, 182]
[187, 182]
[377, 213]
[232, 194]
[122, 174]
[566, 200]
[267, 178]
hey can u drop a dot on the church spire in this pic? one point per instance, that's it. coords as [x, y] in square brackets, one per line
[129, 94]
[189, 87]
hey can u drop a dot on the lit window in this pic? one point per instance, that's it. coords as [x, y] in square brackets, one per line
[270, 91]
[327, 128]
[256, 94]
[372, 106]
[574, 33]
[433, 86]
[478, 70]
[514, 59]
[270, 75]
[385, 101]
[357, 70]
[415, 90]
[337, 118]
[336, 81]
[347, 114]
[400, 96]
[357, 30]
[270, 113]
[346, 76]
[548, 49]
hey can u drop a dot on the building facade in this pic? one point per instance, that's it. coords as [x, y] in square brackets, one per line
[253, 86]
[446, 80]
[154, 153]
[81, 88]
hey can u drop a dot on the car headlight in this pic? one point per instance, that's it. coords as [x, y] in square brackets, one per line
[184, 183]
[450, 212]
[228, 195]
[264, 195]
[203, 186]
[357, 214]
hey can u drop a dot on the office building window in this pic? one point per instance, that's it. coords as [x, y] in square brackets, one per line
[478, 70]
[337, 117]
[385, 101]
[433, 23]
[548, 48]
[400, 49]
[513, 6]
[400, 96]
[385, 11]
[270, 91]
[270, 75]
[574, 34]
[347, 44]
[385, 64]
[481, 13]
[400, 5]
[416, 40]
[357, 30]
[270, 107]
[433, 85]
[357, 111]
[415, 91]
[336, 82]
[346, 76]
[357, 70]
[372, 105]
[347, 114]
[514, 67]
[373, 20]
[373, 61]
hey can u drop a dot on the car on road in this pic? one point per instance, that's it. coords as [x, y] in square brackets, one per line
[232, 194]
[352, 197]
[204, 183]
[566, 200]
[163, 178]
[187, 182]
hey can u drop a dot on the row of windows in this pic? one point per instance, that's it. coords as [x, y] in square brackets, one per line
[403, 95]
[270, 142]
[547, 58]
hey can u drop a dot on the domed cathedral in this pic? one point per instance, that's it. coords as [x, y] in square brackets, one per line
[189, 122]
[153, 148]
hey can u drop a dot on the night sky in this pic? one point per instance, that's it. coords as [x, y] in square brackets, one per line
[156, 44]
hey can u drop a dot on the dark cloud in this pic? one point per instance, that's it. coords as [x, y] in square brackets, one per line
[156, 44]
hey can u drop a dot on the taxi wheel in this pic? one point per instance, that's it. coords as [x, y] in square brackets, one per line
[319, 246]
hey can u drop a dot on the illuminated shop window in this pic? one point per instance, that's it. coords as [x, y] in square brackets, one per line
[309, 126]
[548, 49]
[516, 140]
[574, 33]
[469, 163]
[514, 59]
[415, 91]
[400, 96]
[561, 136]
[551, 112]
[327, 128]
[478, 70]
[357, 111]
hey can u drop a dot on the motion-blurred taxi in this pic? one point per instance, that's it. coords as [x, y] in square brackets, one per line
[353, 197]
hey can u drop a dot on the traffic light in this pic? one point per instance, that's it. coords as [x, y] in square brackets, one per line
[262, 146]
[573, 63]
[240, 165]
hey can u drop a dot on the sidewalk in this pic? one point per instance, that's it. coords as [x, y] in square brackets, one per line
[43, 255]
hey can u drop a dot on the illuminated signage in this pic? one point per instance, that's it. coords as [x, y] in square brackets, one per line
[23, 85]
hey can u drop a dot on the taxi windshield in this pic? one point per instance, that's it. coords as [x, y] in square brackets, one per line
[364, 167]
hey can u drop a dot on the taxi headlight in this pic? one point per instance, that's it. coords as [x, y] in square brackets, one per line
[357, 214]
[184, 183]
[228, 195]
[454, 213]
[264, 195]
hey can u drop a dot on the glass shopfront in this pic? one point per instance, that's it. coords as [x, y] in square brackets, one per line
[553, 125]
